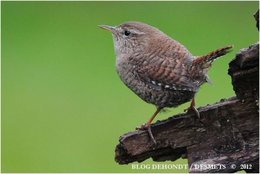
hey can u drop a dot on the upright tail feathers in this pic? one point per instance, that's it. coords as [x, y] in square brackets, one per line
[206, 60]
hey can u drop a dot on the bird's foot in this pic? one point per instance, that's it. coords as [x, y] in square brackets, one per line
[193, 109]
[148, 128]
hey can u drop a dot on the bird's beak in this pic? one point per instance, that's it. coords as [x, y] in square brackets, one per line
[107, 27]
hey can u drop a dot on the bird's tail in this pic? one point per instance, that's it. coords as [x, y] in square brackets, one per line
[205, 61]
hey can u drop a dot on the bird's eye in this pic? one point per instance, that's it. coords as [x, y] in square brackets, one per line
[127, 33]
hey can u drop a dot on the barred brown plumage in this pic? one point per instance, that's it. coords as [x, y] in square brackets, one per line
[160, 70]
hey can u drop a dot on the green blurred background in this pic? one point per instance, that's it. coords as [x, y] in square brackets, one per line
[63, 105]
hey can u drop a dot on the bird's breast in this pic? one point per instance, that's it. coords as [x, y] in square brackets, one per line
[126, 70]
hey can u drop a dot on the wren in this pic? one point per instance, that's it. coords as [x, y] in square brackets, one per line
[158, 69]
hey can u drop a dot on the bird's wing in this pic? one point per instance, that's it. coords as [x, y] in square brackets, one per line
[167, 73]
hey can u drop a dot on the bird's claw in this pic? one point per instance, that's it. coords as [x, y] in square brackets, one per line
[192, 109]
[148, 128]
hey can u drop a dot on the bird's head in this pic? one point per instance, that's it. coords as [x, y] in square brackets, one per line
[131, 37]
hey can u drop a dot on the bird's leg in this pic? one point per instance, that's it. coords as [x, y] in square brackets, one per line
[192, 108]
[147, 126]
[149, 122]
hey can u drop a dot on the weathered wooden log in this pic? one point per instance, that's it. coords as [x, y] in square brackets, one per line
[224, 140]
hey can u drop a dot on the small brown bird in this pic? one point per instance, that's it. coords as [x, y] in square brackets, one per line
[160, 70]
